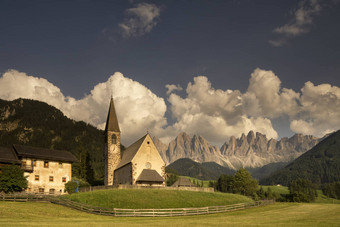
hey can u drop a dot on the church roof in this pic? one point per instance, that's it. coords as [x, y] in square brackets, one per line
[130, 152]
[43, 153]
[7, 155]
[183, 182]
[150, 175]
[112, 121]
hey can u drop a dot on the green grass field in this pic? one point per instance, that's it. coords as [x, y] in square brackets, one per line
[279, 214]
[192, 179]
[278, 189]
[155, 198]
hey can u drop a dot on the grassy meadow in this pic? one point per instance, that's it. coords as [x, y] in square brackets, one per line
[205, 182]
[279, 214]
[282, 190]
[155, 198]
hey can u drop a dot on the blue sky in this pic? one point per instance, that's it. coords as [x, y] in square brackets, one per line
[76, 45]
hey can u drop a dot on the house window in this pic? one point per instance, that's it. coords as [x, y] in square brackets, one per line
[64, 179]
[114, 139]
[60, 165]
[52, 190]
[46, 164]
[36, 177]
[41, 190]
[51, 178]
[34, 163]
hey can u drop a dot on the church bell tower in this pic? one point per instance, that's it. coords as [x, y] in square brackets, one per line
[112, 144]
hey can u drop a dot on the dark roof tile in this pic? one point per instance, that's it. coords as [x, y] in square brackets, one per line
[7, 155]
[130, 152]
[150, 175]
[183, 182]
[112, 121]
[43, 153]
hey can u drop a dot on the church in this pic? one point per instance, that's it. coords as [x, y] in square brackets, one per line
[140, 164]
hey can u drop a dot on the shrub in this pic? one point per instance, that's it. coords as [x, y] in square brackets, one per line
[71, 186]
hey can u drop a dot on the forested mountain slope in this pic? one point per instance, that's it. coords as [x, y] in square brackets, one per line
[34, 123]
[321, 164]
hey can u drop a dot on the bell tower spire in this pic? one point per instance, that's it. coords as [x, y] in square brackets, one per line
[112, 144]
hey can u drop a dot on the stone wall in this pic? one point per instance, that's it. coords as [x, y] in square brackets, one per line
[123, 175]
[147, 157]
[47, 176]
[112, 155]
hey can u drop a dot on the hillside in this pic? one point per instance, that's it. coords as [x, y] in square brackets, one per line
[155, 198]
[321, 164]
[34, 123]
[202, 171]
[265, 171]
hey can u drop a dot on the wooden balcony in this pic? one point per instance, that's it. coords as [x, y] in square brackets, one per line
[27, 168]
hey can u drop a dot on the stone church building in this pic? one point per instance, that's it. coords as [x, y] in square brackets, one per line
[139, 164]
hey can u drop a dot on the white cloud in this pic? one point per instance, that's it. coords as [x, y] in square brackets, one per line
[172, 87]
[300, 23]
[215, 114]
[319, 111]
[265, 97]
[138, 109]
[139, 20]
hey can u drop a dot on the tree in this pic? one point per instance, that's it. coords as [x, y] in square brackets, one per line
[12, 179]
[244, 183]
[71, 186]
[225, 183]
[241, 183]
[212, 184]
[83, 169]
[269, 193]
[302, 190]
[332, 190]
[171, 179]
[260, 193]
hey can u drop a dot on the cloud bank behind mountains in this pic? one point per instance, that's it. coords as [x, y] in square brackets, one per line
[213, 113]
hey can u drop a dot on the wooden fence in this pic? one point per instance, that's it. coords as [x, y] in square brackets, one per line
[118, 212]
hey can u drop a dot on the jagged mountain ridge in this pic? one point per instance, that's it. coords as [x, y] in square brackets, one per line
[252, 151]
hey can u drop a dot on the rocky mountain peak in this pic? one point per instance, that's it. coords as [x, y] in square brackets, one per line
[251, 137]
[253, 150]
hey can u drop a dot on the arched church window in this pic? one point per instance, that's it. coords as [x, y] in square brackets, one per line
[113, 139]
